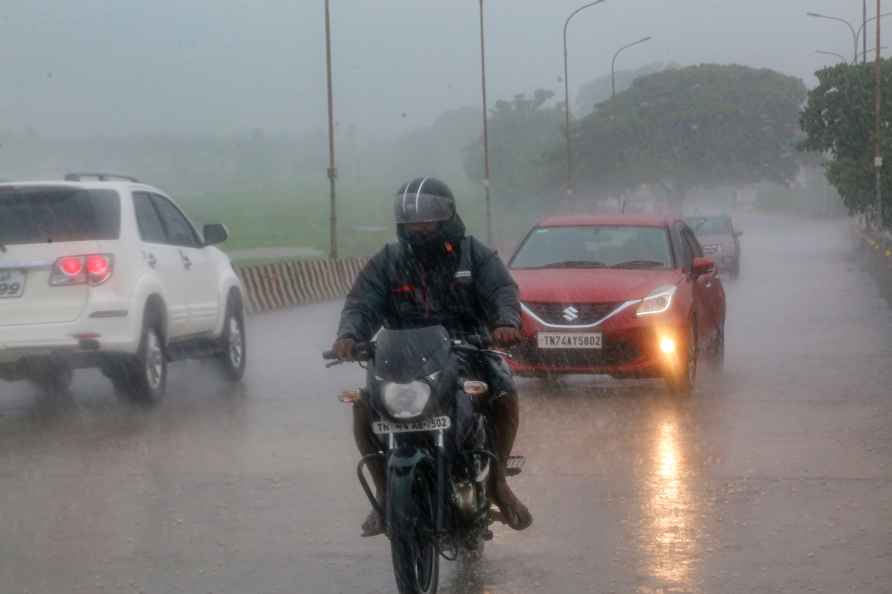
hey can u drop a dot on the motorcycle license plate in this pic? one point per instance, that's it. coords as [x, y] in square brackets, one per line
[431, 424]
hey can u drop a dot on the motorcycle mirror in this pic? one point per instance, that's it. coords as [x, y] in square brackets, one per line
[475, 388]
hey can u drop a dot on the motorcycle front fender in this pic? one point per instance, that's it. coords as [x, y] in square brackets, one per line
[402, 472]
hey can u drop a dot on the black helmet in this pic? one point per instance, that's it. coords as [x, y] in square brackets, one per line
[424, 200]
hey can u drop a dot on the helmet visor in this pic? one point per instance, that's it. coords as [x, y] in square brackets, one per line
[422, 208]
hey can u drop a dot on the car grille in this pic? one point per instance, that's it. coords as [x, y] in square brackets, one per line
[616, 351]
[570, 314]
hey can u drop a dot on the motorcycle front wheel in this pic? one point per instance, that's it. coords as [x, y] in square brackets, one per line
[416, 556]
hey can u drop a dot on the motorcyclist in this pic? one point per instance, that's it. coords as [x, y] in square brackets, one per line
[436, 274]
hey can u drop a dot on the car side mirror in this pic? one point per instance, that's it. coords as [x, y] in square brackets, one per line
[703, 266]
[215, 234]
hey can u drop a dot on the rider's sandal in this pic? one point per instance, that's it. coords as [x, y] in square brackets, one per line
[373, 525]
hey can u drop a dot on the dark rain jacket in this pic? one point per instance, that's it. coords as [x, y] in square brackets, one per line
[467, 289]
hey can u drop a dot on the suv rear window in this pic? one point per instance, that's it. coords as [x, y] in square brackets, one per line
[47, 215]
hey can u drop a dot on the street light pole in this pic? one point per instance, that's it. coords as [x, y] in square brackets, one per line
[613, 62]
[862, 30]
[571, 186]
[847, 23]
[486, 172]
[332, 168]
[878, 157]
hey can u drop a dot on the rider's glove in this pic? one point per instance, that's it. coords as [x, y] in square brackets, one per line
[343, 348]
[506, 336]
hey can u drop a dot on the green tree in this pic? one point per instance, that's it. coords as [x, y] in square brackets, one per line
[522, 131]
[839, 121]
[699, 126]
[598, 90]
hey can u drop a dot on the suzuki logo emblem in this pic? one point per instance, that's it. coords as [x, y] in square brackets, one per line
[571, 314]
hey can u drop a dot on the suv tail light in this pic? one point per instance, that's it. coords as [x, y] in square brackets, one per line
[92, 269]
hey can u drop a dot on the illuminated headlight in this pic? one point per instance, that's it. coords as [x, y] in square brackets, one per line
[406, 401]
[659, 301]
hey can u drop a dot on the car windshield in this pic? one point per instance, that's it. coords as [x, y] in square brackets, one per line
[710, 225]
[595, 247]
[48, 215]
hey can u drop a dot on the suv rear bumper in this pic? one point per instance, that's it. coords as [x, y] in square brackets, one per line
[110, 331]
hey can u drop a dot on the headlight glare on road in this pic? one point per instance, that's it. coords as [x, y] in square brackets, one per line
[406, 401]
[659, 301]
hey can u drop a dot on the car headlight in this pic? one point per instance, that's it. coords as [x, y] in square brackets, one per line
[406, 401]
[659, 301]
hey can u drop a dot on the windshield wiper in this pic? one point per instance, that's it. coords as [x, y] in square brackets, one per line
[640, 264]
[575, 264]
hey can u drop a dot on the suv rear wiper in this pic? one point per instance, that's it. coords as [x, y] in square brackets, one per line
[639, 264]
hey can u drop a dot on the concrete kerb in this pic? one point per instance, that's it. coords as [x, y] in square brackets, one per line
[288, 283]
[877, 251]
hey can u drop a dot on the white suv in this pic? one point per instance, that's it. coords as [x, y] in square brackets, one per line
[104, 271]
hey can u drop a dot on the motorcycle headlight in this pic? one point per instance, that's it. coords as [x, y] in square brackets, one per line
[406, 401]
[659, 301]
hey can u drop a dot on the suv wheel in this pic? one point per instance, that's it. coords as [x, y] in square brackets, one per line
[233, 356]
[143, 378]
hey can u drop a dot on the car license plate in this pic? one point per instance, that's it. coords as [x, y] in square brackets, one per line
[553, 340]
[431, 424]
[12, 284]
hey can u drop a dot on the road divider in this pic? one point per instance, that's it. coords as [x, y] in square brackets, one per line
[287, 283]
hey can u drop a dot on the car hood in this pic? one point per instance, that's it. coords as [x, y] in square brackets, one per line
[599, 285]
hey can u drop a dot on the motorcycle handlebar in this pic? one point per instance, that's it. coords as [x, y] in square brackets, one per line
[361, 352]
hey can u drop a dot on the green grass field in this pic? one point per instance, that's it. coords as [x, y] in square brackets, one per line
[300, 218]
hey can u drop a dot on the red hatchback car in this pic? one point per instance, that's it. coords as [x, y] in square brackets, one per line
[626, 296]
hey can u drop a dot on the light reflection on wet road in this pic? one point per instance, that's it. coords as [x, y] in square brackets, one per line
[775, 477]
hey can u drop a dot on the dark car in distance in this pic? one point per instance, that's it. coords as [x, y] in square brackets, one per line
[720, 241]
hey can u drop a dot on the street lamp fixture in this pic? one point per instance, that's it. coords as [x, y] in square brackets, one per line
[851, 27]
[570, 183]
[613, 62]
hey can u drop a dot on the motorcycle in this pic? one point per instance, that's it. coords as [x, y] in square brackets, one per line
[424, 402]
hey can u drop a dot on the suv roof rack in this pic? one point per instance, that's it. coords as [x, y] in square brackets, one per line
[79, 176]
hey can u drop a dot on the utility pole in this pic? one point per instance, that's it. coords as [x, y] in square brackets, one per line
[332, 168]
[486, 172]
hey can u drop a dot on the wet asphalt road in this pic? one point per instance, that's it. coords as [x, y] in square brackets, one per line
[775, 477]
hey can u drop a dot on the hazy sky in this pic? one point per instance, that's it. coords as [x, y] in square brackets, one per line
[119, 66]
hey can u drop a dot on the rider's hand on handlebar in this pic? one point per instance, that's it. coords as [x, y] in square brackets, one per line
[506, 336]
[344, 348]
